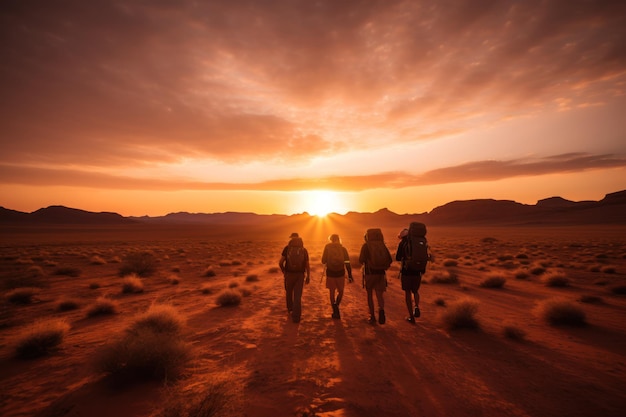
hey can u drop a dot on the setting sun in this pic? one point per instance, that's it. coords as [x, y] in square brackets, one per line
[320, 202]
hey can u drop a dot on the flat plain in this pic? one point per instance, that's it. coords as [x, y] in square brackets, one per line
[527, 321]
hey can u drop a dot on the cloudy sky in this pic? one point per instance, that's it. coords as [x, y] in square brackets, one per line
[151, 107]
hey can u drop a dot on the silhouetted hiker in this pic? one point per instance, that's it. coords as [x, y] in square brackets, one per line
[294, 262]
[413, 253]
[376, 259]
[335, 258]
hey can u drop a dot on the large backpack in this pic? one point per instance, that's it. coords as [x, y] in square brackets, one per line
[334, 257]
[296, 257]
[416, 249]
[380, 258]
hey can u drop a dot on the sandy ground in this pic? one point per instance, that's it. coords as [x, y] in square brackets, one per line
[321, 366]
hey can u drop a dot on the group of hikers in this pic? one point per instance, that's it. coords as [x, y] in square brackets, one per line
[375, 258]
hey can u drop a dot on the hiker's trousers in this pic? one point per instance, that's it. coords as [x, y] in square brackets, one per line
[294, 284]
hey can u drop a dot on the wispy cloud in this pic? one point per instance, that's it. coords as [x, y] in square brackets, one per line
[477, 171]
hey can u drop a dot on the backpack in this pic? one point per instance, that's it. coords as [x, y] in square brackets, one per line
[416, 248]
[295, 255]
[380, 258]
[334, 257]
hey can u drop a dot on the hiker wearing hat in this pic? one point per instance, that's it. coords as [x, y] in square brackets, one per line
[336, 261]
[294, 263]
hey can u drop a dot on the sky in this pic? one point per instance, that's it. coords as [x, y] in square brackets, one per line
[287, 106]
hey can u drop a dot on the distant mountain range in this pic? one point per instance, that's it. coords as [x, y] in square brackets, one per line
[550, 211]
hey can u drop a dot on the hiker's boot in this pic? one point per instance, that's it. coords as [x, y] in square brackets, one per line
[381, 316]
[416, 312]
[336, 314]
[372, 319]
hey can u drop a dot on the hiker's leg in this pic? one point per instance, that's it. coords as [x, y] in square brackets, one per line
[370, 301]
[331, 291]
[339, 296]
[416, 295]
[289, 293]
[409, 302]
[297, 298]
[380, 298]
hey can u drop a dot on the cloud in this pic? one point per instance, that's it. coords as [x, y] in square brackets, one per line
[121, 82]
[477, 171]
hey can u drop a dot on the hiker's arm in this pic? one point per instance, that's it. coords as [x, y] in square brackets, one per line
[307, 268]
[281, 263]
[349, 269]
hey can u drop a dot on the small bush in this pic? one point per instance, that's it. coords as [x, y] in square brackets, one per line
[461, 314]
[40, 338]
[555, 279]
[215, 399]
[102, 306]
[94, 286]
[274, 270]
[142, 264]
[609, 269]
[619, 289]
[450, 262]
[493, 281]
[245, 292]
[233, 284]
[224, 263]
[67, 304]
[444, 277]
[521, 274]
[440, 302]
[209, 272]
[207, 289]
[228, 298]
[489, 240]
[591, 299]
[159, 318]
[513, 332]
[132, 284]
[22, 295]
[173, 279]
[68, 271]
[97, 260]
[252, 278]
[561, 312]
[537, 270]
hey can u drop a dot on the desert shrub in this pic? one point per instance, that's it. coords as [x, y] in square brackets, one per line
[23, 295]
[521, 274]
[97, 260]
[594, 268]
[228, 298]
[513, 332]
[619, 289]
[521, 255]
[173, 279]
[224, 263]
[233, 284]
[591, 299]
[555, 279]
[176, 269]
[444, 277]
[489, 240]
[67, 304]
[69, 271]
[207, 289]
[94, 286]
[34, 271]
[236, 263]
[274, 270]
[209, 272]
[440, 302]
[215, 399]
[245, 292]
[561, 312]
[609, 269]
[493, 281]
[450, 262]
[142, 264]
[145, 354]
[537, 270]
[40, 338]
[252, 278]
[503, 258]
[600, 282]
[132, 284]
[159, 318]
[102, 306]
[461, 314]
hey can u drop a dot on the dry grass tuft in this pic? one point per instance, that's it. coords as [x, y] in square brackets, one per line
[619, 289]
[102, 306]
[561, 312]
[69, 271]
[440, 302]
[591, 299]
[444, 277]
[207, 289]
[274, 270]
[450, 262]
[209, 272]
[461, 314]
[97, 260]
[216, 399]
[537, 269]
[493, 281]
[94, 286]
[132, 284]
[228, 298]
[555, 279]
[252, 278]
[511, 331]
[67, 304]
[142, 264]
[23, 295]
[40, 338]
[159, 318]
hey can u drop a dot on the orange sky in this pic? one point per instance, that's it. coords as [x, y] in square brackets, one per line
[156, 107]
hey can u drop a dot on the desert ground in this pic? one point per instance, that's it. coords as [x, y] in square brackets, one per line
[487, 342]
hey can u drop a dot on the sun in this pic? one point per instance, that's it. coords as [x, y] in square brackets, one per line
[321, 202]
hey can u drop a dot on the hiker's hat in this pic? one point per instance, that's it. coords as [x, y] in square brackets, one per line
[294, 234]
[403, 233]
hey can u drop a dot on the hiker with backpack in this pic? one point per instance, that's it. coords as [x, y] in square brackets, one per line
[414, 254]
[294, 263]
[376, 259]
[336, 260]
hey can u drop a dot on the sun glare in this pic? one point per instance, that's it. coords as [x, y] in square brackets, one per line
[320, 203]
